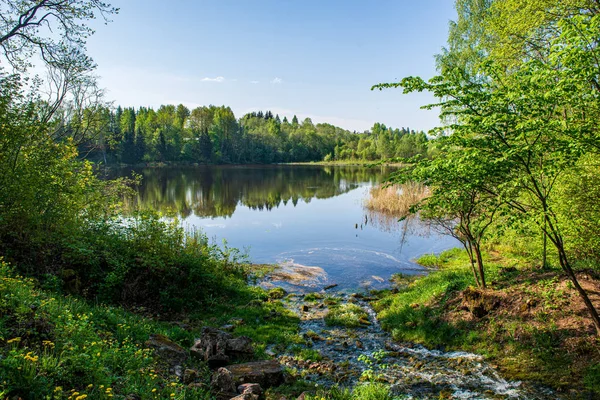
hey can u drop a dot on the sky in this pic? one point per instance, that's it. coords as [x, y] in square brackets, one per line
[310, 58]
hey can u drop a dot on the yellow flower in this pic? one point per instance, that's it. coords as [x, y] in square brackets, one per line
[153, 390]
[172, 394]
[58, 389]
[91, 385]
[83, 396]
[17, 339]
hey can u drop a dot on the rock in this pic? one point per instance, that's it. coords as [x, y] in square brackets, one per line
[330, 286]
[246, 396]
[266, 373]
[166, 349]
[253, 388]
[223, 382]
[228, 327]
[304, 308]
[189, 376]
[133, 396]
[217, 347]
[303, 396]
[240, 345]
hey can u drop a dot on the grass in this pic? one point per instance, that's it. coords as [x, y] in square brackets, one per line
[534, 333]
[346, 314]
[365, 391]
[63, 348]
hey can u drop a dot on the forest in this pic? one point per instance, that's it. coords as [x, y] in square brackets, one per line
[213, 135]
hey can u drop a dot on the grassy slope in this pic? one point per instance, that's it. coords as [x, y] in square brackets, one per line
[59, 347]
[536, 329]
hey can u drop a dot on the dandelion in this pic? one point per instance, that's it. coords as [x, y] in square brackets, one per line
[83, 396]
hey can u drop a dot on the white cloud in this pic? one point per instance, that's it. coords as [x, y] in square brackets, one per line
[218, 79]
[254, 82]
[277, 81]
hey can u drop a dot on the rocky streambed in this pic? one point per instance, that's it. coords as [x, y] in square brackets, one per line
[353, 352]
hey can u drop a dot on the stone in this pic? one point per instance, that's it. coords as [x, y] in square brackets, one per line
[217, 347]
[240, 345]
[223, 381]
[253, 388]
[246, 396]
[266, 373]
[304, 308]
[166, 349]
[189, 376]
[228, 327]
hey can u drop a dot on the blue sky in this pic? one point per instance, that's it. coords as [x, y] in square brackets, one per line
[316, 59]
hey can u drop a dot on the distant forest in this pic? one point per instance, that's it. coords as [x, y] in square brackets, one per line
[213, 135]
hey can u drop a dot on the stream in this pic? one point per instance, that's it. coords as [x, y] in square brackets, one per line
[412, 371]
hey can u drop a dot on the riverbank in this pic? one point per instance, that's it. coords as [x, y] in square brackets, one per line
[351, 163]
[530, 322]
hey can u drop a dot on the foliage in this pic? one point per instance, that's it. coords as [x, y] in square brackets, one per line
[213, 135]
[59, 347]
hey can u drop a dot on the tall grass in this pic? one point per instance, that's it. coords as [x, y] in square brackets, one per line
[396, 200]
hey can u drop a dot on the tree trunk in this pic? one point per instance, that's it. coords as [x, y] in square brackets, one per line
[480, 265]
[545, 244]
[469, 250]
[564, 263]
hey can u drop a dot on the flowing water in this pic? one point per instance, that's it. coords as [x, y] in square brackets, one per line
[412, 371]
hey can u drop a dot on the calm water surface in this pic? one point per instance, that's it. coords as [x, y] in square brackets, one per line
[306, 215]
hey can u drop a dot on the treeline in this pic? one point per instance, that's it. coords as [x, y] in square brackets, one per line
[213, 135]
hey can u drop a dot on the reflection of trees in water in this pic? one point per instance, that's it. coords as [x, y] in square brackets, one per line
[411, 225]
[210, 191]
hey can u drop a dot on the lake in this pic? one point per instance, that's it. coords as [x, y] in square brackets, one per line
[295, 216]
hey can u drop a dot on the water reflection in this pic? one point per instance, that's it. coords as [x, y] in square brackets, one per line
[216, 191]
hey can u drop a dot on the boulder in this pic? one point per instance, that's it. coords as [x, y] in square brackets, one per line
[252, 388]
[265, 373]
[190, 376]
[217, 347]
[240, 345]
[222, 382]
[166, 349]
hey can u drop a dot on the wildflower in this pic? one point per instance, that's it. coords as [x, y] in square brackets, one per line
[172, 394]
[83, 396]
[91, 385]
[17, 339]
[154, 390]
[58, 389]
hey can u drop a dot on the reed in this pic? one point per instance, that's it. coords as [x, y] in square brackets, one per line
[395, 200]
